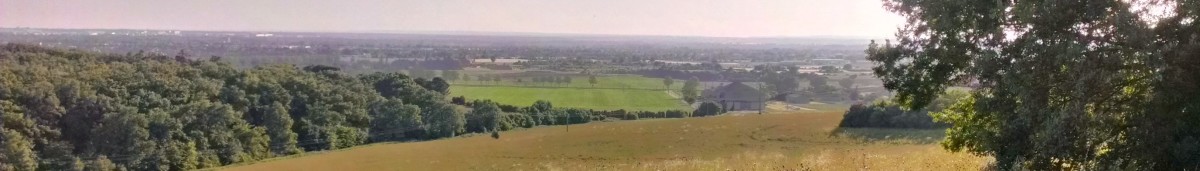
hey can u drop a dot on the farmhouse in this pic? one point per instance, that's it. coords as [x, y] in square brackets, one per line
[735, 96]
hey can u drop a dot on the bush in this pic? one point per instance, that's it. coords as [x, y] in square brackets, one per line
[630, 116]
[888, 116]
[885, 114]
[708, 109]
[460, 100]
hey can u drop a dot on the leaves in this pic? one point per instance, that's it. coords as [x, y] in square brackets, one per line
[152, 112]
[1058, 84]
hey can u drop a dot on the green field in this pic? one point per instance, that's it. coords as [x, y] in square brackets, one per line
[779, 140]
[581, 81]
[611, 93]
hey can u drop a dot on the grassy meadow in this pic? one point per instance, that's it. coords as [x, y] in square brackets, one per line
[779, 140]
[610, 93]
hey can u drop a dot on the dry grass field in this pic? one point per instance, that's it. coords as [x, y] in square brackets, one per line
[779, 140]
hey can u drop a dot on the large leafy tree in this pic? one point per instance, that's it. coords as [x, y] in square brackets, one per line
[443, 120]
[394, 120]
[484, 117]
[1076, 84]
[691, 90]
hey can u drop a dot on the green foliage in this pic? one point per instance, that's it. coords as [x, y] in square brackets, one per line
[779, 83]
[592, 80]
[830, 69]
[1060, 85]
[484, 116]
[393, 120]
[279, 129]
[886, 114]
[72, 110]
[443, 120]
[101, 163]
[667, 82]
[708, 109]
[691, 90]
[848, 82]
[16, 151]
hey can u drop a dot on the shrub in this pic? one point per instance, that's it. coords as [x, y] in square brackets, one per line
[886, 114]
[708, 109]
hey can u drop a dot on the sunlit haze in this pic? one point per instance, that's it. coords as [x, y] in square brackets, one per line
[719, 18]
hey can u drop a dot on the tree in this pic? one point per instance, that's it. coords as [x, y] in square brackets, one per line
[667, 83]
[122, 134]
[279, 129]
[16, 151]
[437, 85]
[320, 68]
[848, 82]
[592, 80]
[484, 117]
[542, 112]
[101, 163]
[847, 67]
[829, 69]
[150, 112]
[690, 90]
[394, 120]
[707, 109]
[442, 120]
[541, 106]
[1060, 85]
[781, 83]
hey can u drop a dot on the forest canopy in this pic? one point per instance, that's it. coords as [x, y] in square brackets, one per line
[70, 110]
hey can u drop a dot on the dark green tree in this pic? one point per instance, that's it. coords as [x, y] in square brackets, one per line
[707, 109]
[443, 120]
[667, 83]
[394, 120]
[1060, 85]
[592, 80]
[691, 90]
[484, 116]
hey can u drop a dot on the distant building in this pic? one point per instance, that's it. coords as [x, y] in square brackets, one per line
[735, 96]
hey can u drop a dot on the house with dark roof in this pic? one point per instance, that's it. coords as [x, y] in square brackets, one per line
[735, 96]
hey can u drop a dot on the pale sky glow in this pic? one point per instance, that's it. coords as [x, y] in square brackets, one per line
[722, 18]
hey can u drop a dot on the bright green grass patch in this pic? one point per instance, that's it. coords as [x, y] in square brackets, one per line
[627, 92]
[611, 81]
[586, 98]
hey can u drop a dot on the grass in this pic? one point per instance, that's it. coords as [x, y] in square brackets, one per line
[779, 140]
[612, 92]
[581, 81]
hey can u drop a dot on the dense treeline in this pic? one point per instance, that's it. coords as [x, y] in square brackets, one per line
[889, 114]
[67, 110]
[70, 110]
[543, 113]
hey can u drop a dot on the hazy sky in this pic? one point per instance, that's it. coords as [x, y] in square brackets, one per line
[724, 18]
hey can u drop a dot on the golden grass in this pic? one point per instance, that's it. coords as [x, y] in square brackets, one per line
[774, 141]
